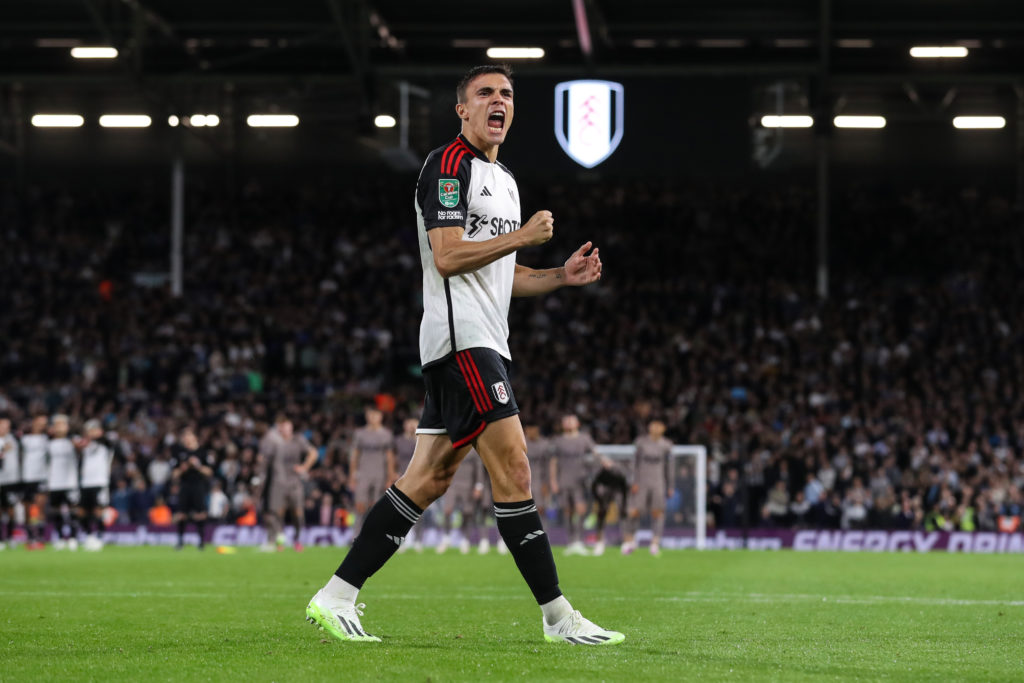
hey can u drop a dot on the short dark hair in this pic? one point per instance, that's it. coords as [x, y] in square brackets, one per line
[460, 89]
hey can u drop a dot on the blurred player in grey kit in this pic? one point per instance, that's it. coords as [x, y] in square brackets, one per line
[651, 485]
[538, 450]
[571, 452]
[371, 466]
[460, 504]
[287, 458]
[405, 444]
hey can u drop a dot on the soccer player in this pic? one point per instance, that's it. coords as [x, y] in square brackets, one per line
[371, 466]
[470, 227]
[33, 477]
[192, 468]
[459, 505]
[287, 459]
[97, 455]
[10, 480]
[609, 484]
[538, 449]
[571, 452]
[651, 481]
[62, 483]
[405, 445]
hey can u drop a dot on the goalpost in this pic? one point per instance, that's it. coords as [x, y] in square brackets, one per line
[624, 453]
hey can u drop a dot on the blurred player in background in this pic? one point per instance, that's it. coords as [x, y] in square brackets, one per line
[97, 455]
[287, 459]
[10, 481]
[62, 483]
[33, 479]
[405, 444]
[609, 486]
[192, 469]
[460, 503]
[372, 462]
[538, 450]
[651, 482]
[571, 452]
[469, 228]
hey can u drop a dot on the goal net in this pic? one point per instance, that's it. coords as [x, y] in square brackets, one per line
[686, 510]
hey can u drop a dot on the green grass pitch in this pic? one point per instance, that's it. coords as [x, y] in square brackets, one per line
[155, 614]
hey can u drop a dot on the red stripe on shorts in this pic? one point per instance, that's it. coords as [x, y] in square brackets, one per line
[490, 406]
[469, 383]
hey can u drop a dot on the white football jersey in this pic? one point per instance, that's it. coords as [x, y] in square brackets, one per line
[63, 465]
[96, 457]
[459, 186]
[10, 471]
[33, 457]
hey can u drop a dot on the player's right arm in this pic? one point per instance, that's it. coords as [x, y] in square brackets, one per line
[455, 256]
[442, 196]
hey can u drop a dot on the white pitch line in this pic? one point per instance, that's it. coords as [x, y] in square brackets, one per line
[689, 596]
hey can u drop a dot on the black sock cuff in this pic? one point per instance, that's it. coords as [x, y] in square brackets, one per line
[403, 504]
[508, 510]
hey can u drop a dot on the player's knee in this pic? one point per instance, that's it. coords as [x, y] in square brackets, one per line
[514, 477]
[425, 489]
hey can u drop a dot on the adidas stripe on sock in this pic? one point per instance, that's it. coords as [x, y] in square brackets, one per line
[384, 530]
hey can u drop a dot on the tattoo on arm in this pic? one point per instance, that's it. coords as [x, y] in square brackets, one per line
[558, 276]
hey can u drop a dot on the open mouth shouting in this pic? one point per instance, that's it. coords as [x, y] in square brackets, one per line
[496, 122]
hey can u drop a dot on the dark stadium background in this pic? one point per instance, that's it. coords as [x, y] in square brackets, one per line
[924, 219]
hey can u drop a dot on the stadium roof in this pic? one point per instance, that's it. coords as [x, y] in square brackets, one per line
[267, 40]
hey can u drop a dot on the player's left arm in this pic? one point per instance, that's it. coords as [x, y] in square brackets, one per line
[580, 269]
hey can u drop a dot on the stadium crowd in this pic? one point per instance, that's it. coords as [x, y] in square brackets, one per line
[898, 402]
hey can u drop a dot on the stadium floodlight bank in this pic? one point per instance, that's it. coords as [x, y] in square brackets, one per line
[696, 500]
[787, 121]
[94, 52]
[938, 52]
[859, 122]
[57, 121]
[515, 52]
[272, 120]
[125, 121]
[979, 122]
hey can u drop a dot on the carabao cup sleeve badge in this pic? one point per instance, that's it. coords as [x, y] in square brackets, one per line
[448, 192]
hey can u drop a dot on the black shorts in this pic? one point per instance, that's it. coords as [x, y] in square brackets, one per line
[465, 392]
[191, 500]
[58, 498]
[29, 490]
[10, 494]
[91, 497]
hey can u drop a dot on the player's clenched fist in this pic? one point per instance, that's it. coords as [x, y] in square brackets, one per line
[538, 229]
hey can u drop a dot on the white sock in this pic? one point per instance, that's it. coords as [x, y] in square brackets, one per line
[343, 591]
[556, 610]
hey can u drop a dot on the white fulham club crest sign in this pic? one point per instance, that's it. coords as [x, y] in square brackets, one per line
[588, 119]
[500, 392]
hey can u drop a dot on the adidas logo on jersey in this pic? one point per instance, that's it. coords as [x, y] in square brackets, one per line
[486, 192]
[397, 539]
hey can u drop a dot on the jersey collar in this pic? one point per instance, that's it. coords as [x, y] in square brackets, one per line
[473, 150]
